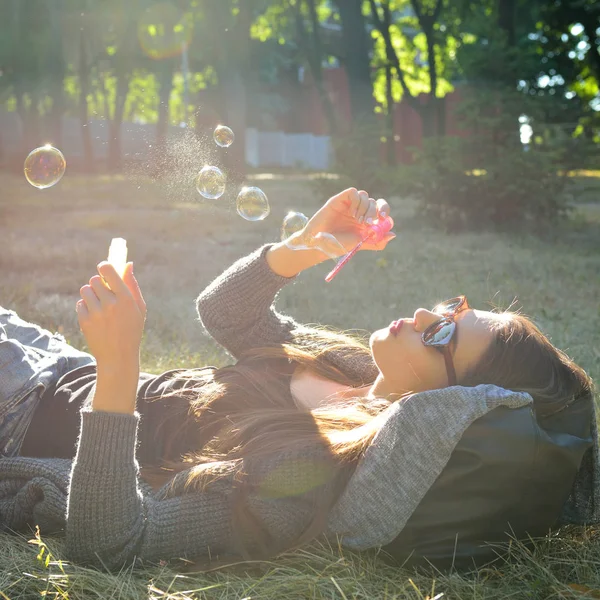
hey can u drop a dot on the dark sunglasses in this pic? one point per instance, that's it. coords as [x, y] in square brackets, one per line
[439, 334]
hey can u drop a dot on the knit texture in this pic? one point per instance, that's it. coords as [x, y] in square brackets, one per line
[112, 518]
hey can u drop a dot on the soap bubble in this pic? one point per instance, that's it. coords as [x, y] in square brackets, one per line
[252, 204]
[210, 182]
[223, 136]
[164, 31]
[323, 241]
[293, 222]
[44, 166]
[328, 243]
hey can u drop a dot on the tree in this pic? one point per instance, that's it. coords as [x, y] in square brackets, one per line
[121, 53]
[297, 27]
[426, 43]
[33, 67]
[309, 39]
[357, 58]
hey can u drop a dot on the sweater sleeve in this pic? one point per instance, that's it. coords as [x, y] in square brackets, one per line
[236, 309]
[112, 519]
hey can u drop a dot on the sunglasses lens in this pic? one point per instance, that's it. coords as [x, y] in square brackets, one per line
[439, 334]
[449, 306]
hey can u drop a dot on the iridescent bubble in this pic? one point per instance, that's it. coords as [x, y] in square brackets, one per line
[223, 136]
[44, 166]
[299, 241]
[252, 204]
[164, 31]
[210, 182]
[323, 241]
[328, 243]
[293, 222]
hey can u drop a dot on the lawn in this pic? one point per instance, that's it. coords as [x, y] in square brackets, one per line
[54, 238]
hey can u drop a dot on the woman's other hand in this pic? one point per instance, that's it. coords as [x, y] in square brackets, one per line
[347, 216]
[111, 315]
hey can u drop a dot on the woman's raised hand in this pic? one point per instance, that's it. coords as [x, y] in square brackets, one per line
[347, 216]
[111, 315]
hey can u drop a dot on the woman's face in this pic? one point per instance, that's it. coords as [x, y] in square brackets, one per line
[406, 365]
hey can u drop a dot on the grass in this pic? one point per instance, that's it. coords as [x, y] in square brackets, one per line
[54, 238]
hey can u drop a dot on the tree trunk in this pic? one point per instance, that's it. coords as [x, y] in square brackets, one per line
[58, 68]
[114, 139]
[441, 116]
[594, 56]
[165, 80]
[235, 106]
[506, 19]
[84, 90]
[313, 49]
[433, 76]
[389, 117]
[428, 115]
[125, 57]
[356, 60]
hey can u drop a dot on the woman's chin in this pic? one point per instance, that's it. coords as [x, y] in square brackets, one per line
[379, 335]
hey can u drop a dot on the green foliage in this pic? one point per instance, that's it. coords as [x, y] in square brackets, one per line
[126, 53]
[514, 188]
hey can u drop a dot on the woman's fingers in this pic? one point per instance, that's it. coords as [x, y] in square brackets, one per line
[383, 208]
[102, 292]
[81, 310]
[369, 210]
[88, 295]
[371, 214]
[362, 206]
[110, 275]
[134, 288]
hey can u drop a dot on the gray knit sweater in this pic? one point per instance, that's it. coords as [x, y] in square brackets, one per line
[112, 518]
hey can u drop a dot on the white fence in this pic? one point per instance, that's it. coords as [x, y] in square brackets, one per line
[263, 149]
[279, 149]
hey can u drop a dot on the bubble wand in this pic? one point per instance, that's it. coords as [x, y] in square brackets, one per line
[376, 233]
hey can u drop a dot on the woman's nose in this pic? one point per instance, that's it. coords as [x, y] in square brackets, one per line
[423, 318]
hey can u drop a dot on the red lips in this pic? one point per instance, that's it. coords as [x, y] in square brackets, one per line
[396, 326]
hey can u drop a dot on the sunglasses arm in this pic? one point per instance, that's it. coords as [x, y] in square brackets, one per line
[449, 365]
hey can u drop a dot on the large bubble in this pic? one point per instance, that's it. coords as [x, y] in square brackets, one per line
[293, 222]
[44, 166]
[323, 241]
[252, 204]
[223, 136]
[210, 182]
[164, 31]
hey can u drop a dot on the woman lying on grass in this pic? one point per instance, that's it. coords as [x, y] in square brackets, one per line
[311, 432]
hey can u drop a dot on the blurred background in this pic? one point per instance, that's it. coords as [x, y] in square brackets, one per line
[486, 111]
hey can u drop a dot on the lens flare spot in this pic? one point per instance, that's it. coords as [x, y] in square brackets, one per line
[164, 31]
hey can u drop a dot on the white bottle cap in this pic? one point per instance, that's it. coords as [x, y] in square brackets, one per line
[117, 255]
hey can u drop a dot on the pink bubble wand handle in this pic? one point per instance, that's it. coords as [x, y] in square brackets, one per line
[376, 232]
[344, 260]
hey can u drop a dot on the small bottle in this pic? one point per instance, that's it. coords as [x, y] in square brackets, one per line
[117, 255]
[379, 229]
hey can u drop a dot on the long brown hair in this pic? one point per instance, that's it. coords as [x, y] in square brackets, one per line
[522, 358]
[245, 411]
